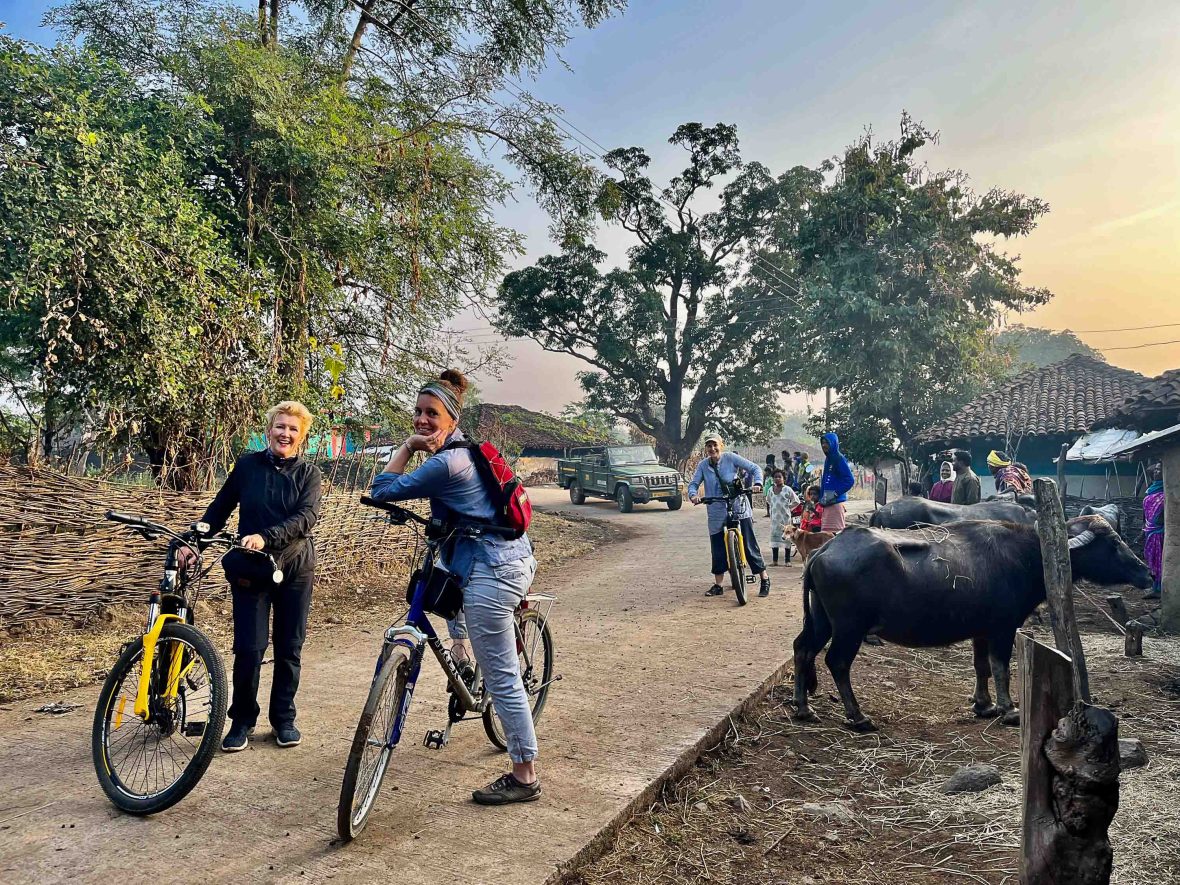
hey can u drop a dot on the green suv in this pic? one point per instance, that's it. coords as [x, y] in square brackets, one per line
[629, 475]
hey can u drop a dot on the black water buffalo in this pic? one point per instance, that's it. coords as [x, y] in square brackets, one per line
[907, 512]
[974, 580]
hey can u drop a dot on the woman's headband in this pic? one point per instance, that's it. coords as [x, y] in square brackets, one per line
[445, 396]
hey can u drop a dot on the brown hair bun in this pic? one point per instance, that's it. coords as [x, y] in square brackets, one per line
[457, 381]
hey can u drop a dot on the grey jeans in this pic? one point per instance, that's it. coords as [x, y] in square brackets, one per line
[489, 599]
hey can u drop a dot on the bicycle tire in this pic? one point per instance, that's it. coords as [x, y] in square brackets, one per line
[122, 793]
[385, 694]
[737, 571]
[491, 722]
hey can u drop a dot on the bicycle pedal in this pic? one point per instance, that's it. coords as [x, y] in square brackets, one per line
[194, 729]
[750, 579]
[435, 740]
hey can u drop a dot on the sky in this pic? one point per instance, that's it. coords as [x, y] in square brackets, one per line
[1074, 103]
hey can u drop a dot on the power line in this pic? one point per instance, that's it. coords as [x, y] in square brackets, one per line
[1127, 329]
[1138, 346]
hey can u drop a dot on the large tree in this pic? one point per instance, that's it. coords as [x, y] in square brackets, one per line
[905, 280]
[1028, 347]
[683, 338]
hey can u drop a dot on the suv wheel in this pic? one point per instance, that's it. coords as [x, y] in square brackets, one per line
[625, 501]
[675, 503]
[577, 496]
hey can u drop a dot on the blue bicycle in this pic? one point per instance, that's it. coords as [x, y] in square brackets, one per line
[383, 719]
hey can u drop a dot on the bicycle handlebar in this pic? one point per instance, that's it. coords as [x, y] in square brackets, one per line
[400, 514]
[470, 528]
[231, 540]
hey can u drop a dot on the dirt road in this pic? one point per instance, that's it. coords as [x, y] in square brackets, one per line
[648, 664]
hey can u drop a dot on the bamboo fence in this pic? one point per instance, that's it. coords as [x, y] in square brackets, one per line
[60, 558]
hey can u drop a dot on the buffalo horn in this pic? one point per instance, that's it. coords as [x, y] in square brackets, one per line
[1081, 540]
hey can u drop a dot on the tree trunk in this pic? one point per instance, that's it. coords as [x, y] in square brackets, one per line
[358, 35]
[263, 30]
[274, 23]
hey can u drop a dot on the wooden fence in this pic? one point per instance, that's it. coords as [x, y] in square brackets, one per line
[59, 558]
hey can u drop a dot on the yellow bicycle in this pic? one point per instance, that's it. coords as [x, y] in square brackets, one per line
[161, 711]
[735, 547]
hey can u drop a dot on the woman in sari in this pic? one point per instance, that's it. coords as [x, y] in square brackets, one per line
[1153, 530]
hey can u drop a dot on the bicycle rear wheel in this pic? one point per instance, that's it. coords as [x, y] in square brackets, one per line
[737, 568]
[369, 757]
[147, 766]
[534, 646]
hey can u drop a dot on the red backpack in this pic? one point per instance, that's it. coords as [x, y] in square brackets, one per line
[514, 510]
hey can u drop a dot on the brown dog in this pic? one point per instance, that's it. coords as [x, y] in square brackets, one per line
[807, 542]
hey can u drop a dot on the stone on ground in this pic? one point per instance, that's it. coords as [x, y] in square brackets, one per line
[1131, 753]
[972, 778]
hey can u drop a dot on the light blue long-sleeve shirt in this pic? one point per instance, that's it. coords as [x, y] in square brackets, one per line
[728, 466]
[456, 491]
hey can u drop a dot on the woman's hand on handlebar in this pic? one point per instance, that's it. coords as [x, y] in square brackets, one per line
[185, 556]
[756, 488]
[253, 542]
[696, 499]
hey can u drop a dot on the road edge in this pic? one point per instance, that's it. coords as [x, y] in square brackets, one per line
[598, 844]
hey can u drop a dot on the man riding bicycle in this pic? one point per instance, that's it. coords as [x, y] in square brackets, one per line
[716, 473]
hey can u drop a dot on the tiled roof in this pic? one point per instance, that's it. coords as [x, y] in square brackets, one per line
[1153, 405]
[520, 428]
[1063, 399]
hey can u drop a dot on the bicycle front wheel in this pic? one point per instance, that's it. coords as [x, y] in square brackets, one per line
[369, 756]
[534, 647]
[148, 764]
[737, 568]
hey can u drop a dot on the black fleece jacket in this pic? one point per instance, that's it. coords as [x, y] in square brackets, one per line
[279, 499]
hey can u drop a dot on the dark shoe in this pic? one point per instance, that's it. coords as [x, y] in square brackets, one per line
[237, 738]
[715, 590]
[764, 590]
[505, 790]
[287, 736]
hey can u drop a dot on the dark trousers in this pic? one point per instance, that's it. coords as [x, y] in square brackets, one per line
[290, 602]
[753, 553]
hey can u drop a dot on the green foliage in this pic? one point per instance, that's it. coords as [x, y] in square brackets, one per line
[123, 305]
[1028, 347]
[680, 339]
[598, 424]
[905, 283]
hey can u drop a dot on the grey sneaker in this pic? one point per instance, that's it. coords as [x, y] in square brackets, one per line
[505, 790]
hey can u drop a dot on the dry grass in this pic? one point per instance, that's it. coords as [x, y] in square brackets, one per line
[780, 801]
[49, 656]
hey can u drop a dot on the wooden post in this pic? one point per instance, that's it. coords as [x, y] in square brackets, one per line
[1069, 765]
[1133, 641]
[1118, 607]
[1170, 604]
[1046, 694]
[1061, 472]
[1059, 580]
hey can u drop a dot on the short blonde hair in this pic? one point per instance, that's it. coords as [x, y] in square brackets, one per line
[294, 409]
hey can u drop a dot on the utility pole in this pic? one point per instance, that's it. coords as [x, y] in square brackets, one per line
[827, 408]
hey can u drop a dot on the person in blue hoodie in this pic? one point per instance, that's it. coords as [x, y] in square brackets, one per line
[836, 483]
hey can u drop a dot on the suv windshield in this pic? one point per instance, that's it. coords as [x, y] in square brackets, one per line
[632, 455]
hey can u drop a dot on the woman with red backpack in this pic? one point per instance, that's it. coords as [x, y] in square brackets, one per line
[495, 572]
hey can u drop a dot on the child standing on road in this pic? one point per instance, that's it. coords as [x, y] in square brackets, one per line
[810, 511]
[780, 498]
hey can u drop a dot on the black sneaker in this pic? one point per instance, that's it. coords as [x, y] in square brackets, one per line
[237, 738]
[505, 790]
[715, 590]
[287, 736]
[764, 590]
